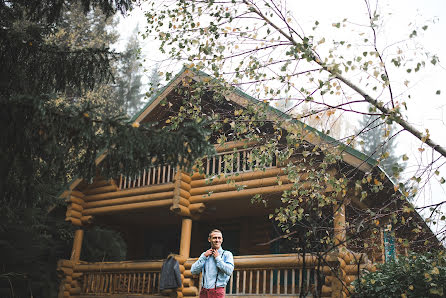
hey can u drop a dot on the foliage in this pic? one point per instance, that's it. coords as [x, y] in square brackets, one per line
[77, 30]
[259, 46]
[50, 135]
[416, 275]
[103, 245]
[32, 241]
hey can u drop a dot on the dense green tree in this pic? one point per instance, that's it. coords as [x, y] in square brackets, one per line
[93, 30]
[47, 140]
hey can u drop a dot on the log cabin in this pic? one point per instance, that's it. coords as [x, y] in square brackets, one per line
[167, 210]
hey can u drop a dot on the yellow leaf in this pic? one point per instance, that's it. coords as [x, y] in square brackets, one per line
[135, 124]
[411, 287]
[86, 115]
[435, 271]
[396, 187]
[168, 121]
[421, 149]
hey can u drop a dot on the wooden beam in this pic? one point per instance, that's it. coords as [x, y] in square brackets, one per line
[199, 180]
[131, 192]
[245, 184]
[181, 210]
[86, 220]
[242, 194]
[128, 200]
[74, 221]
[73, 213]
[75, 200]
[125, 266]
[126, 207]
[75, 206]
[228, 146]
[102, 189]
[197, 208]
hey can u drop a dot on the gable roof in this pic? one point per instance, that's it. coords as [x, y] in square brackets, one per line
[350, 155]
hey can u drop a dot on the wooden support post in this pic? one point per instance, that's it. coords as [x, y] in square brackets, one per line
[340, 235]
[77, 245]
[186, 232]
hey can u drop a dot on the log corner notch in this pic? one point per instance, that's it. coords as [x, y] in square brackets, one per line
[68, 285]
[181, 194]
[76, 203]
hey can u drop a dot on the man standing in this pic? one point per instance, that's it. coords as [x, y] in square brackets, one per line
[216, 266]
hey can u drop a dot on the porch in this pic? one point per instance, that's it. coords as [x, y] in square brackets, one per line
[254, 275]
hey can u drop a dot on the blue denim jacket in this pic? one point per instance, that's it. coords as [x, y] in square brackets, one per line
[209, 266]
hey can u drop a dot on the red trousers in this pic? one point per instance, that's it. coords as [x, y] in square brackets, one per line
[212, 293]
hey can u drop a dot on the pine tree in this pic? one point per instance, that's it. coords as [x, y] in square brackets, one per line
[129, 83]
[79, 31]
[155, 80]
[377, 141]
[46, 142]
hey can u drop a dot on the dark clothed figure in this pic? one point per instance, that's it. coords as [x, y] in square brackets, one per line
[170, 274]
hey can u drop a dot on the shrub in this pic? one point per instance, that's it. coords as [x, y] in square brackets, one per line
[417, 275]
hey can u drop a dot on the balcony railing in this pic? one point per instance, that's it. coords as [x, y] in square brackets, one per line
[120, 277]
[150, 176]
[239, 161]
[274, 275]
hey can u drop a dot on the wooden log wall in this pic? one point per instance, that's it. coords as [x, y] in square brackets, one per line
[68, 285]
[75, 208]
[244, 185]
[129, 199]
[181, 194]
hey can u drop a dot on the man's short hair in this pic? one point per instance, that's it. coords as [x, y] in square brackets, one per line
[215, 230]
